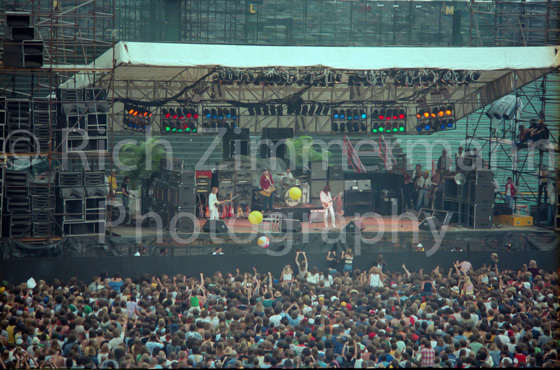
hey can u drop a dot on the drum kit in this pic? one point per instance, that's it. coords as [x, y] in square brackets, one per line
[290, 182]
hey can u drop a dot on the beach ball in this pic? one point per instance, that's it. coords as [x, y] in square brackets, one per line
[263, 242]
[295, 193]
[255, 217]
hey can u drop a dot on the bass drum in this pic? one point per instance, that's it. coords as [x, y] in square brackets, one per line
[288, 200]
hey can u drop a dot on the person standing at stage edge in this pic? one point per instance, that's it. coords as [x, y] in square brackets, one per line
[327, 201]
[213, 204]
[444, 163]
[126, 195]
[267, 185]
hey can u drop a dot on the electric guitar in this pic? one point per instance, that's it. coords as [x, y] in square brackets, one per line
[268, 191]
[224, 201]
[330, 202]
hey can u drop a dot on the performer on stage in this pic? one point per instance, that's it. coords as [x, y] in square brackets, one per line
[327, 201]
[288, 178]
[213, 204]
[268, 191]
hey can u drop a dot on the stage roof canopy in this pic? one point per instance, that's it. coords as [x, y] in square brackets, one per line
[152, 72]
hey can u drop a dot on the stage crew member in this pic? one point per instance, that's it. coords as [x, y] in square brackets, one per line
[327, 202]
[268, 191]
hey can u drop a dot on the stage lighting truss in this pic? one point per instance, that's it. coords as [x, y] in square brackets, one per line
[277, 77]
[430, 119]
[428, 77]
[264, 109]
[218, 117]
[179, 119]
[388, 121]
[137, 118]
[349, 119]
[367, 78]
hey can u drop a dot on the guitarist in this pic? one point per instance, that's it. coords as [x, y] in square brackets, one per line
[327, 201]
[213, 204]
[268, 191]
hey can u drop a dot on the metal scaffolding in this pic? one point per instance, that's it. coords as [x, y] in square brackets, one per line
[72, 36]
[341, 23]
[541, 100]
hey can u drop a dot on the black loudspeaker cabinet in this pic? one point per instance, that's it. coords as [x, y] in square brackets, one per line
[336, 173]
[351, 226]
[319, 170]
[481, 193]
[424, 225]
[450, 189]
[236, 142]
[337, 187]
[270, 148]
[215, 226]
[288, 224]
[482, 176]
[277, 133]
[502, 209]
[185, 224]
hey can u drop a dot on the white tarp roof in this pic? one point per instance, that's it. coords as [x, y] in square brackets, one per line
[345, 58]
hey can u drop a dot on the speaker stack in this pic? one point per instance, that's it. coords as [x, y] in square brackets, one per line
[182, 198]
[82, 120]
[21, 49]
[80, 203]
[42, 206]
[473, 201]
[319, 179]
[235, 143]
[18, 126]
[17, 211]
[271, 138]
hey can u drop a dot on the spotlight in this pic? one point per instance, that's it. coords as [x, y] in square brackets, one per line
[258, 110]
[441, 112]
[206, 113]
[375, 128]
[450, 123]
[273, 110]
[304, 110]
[348, 113]
[427, 126]
[319, 109]
[166, 113]
[449, 110]
[382, 127]
[336, 114]
[382, 114]
[233, 113]
[426, 114]
[279, 110]
[342, 127]
[420, 114]
[342, 116]
[402, 127]
[363, 127]
[214, 113]
[334, 127]
[356, 126]
[419, 128]
[325, 110]
[363, 114]
[174, 114]
[265, 110]
[401, 113]
[311, 110]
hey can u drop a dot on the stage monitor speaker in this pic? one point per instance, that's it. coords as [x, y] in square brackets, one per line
[215, 226]
[424, 213]
[186, 224]
[290, 225]
[502, 209]
[424, 225]
[351, 226]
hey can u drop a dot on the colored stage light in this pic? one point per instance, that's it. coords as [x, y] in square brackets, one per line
[375, 128]
[334, 127]
[336, 114]
[363, 114]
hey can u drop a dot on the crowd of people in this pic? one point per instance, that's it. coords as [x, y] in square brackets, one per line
[398, 318]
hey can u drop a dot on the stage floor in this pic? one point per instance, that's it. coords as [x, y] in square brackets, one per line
[367, 225]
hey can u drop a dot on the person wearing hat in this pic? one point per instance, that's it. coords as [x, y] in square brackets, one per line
[268, 191]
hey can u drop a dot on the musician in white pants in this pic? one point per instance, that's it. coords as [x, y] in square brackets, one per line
[327, 202]
[213, 204]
